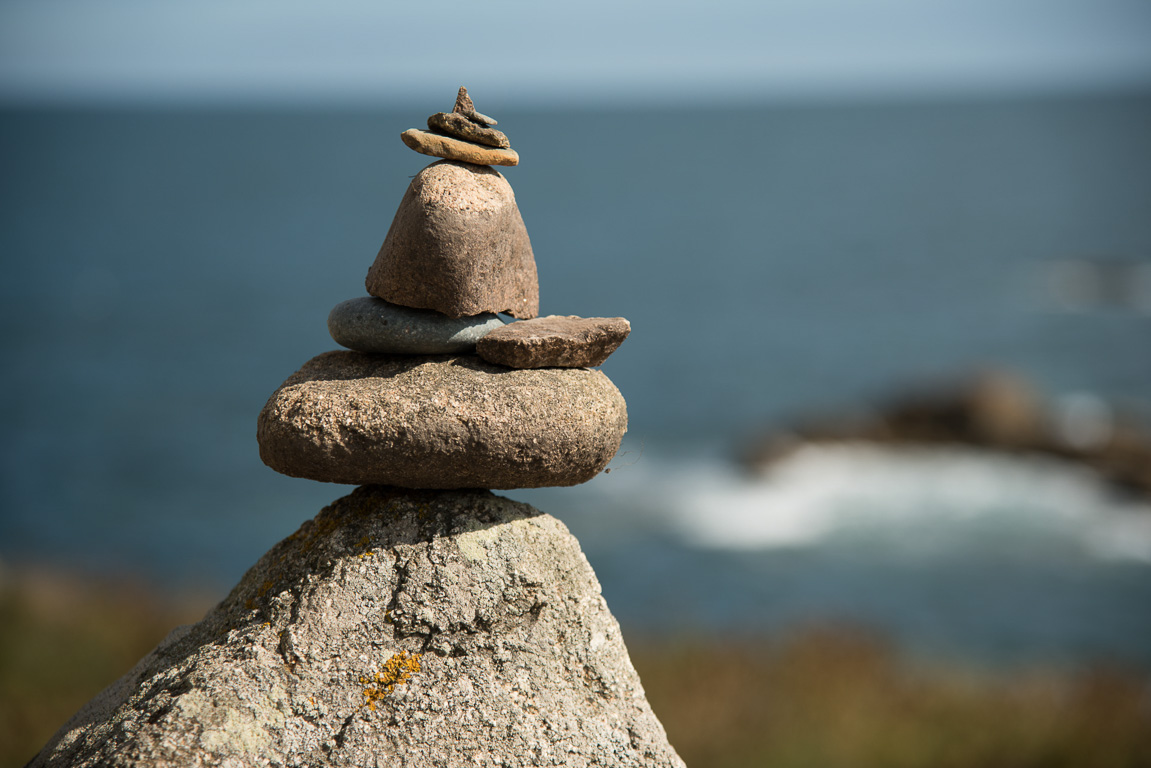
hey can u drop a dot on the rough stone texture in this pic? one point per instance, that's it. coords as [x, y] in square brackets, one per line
[440, 422]
[455, 124]
[455, 149]
[458, 245]
[554, 341]
[465, 107]
[398, 628]
[369, 324]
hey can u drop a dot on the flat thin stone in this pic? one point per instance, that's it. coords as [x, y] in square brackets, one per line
[440, 422]
[458, 245]
[458, 126]
[434, 144]
[465, 107]
[554, 341]
[370, 324]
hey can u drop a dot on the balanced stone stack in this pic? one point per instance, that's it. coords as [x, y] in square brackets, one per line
[420, 620]
[437, 391]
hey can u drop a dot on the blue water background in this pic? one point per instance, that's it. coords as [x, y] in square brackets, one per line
[164, 271]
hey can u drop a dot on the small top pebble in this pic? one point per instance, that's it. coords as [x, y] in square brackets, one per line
[462, 135]
[455, 124]
[465, 107]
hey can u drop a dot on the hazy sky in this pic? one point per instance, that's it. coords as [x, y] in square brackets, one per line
[512, 50]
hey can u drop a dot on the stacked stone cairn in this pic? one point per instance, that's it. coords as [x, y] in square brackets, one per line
[413, 404]
[420, 620]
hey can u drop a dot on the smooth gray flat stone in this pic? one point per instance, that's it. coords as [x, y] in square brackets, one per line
[370, 324]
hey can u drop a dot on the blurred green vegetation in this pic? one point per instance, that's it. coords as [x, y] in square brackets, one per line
[834, 696]
[821, 698]
[62, 640]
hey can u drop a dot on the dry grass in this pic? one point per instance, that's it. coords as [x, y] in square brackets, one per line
[62, 640]
[835, 697]
[821, 699]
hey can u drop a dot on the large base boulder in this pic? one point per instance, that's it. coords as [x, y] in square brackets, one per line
[397, 628]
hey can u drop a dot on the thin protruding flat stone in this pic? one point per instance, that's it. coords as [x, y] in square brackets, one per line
[458, 245]
[458, 126]
[554, 341]
[434, 144]
[465, 107]
[440, 422]
[370, 324]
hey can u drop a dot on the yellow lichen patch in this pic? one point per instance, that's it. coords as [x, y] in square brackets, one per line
[264, 588]
[364, 541]
[325, 526]
[395, 671]
[311, 532]
[366, 554]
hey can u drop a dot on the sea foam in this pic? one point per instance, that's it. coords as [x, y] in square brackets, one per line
[906, 502]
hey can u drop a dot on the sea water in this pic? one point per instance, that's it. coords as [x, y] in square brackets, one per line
[164, 271]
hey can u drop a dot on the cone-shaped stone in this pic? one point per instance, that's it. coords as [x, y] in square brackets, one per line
[406, 629]
[458, 245]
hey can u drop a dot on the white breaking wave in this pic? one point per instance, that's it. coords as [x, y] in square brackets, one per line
[898, 500]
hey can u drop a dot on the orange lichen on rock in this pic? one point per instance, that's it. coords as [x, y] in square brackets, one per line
[395, 671]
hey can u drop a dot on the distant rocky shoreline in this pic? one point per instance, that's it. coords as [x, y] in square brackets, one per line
[993, 410]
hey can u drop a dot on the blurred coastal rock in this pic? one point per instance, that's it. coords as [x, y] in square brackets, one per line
[398, 628]
[1100, 284]
[994, 410]
[438, 145]
[554, 341]
[370, 324]
[458, 245]
[440, 422]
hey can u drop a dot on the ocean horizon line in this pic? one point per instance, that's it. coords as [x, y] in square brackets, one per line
[564, 100]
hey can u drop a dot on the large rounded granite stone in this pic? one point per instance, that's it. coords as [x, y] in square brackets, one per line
[458, 245]
[440, 422]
